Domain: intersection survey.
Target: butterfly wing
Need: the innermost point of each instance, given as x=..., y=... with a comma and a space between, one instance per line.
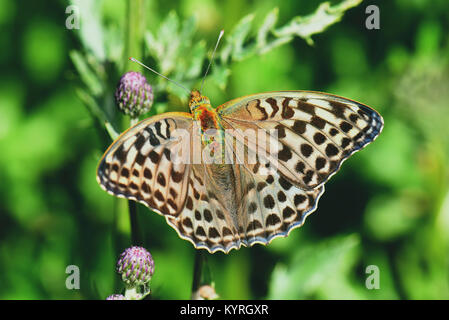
x=279, y=187
x=262, y=208
x=272, y=206
x=315, y=131
x=234, y=205
x=141, y=166
x=208, y=220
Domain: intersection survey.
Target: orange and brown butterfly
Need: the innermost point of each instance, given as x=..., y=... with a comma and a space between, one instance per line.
x=222, y=206
x=247, y=172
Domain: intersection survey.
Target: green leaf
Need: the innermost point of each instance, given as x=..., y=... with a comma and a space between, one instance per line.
x=317, y=22
x=88, y=76
x=220, y=75
x=178, y=56
x=234, y=45
x=187, y=31
x=190, y=56
x=90, y=103
x=154, y=48
x=311, y=266
x=390, y=216
x=111, y=130
x=164, y=46
x=267, y=26
x=91, y=31
x=114, y=45
x=198, y=53
x=275, y=43
x=174, y=53
x=169, y=40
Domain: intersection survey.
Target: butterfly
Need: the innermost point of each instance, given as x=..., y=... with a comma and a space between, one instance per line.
x=264, y=184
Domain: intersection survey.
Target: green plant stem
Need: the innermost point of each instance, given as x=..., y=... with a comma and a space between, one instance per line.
x=135, y=30
x=134, y=40
x=201, y=273
x=135, y=234
x=132, y=205
x=115, y=235
x=197, y=272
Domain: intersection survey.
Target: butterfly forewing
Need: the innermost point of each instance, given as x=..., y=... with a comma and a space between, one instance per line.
x=316, y=132
x=140, y=165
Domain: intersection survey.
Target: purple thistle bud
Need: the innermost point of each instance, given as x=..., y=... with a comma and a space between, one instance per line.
x=116, y=297
x=136, y=265
x=134, y=96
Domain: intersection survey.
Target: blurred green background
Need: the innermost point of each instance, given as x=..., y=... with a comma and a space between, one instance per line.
x=388, y=206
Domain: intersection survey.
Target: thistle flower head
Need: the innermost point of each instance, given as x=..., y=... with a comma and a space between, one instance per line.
x=134, y=96
x=116, y=297
x=136, y=266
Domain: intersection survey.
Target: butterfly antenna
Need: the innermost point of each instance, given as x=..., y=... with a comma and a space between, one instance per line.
x=212, y=59
x=173, y=81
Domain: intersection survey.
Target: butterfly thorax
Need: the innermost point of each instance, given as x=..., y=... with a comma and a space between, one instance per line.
x=202, y=111
x=209, y=123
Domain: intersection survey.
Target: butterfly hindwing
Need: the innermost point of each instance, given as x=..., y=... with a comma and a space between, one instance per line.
x=207, y=220
x=270, y=205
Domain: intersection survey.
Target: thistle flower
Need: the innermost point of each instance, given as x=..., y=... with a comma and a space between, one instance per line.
x=136, y=266
x=134, y=96
x=116, y=297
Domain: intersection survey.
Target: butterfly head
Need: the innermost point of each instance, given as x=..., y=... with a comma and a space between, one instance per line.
x=197, y=100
